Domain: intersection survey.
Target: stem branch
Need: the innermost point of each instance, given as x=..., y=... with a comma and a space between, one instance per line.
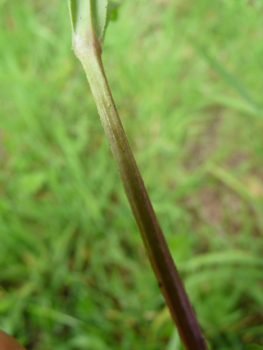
x=168, y=278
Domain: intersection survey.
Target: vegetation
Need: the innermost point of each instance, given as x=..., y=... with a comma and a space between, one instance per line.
x=186, y=81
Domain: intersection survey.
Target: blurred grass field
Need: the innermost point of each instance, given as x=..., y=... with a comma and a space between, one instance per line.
x=187, y=80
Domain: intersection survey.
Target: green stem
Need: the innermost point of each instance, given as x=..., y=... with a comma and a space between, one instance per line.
x=169, y=281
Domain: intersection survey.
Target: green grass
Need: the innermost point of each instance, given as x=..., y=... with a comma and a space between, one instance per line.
x=187, y=82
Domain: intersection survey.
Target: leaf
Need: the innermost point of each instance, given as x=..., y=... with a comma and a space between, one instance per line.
x=29, y=184
x=89, y=18
x=112, y=13
x=88, y=341
x=99, y=17
x=220, y=258
x=228, y=77
x=174, y=342
x=80, y=16
x=254, y=347
x=237, y=104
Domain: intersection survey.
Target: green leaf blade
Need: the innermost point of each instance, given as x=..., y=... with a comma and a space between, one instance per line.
x=254, y=347
x=80, y=16
x=89, y=19
x=99, y=10
x=112, y=13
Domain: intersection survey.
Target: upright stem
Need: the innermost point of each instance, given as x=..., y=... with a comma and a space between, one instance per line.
x=169, y=281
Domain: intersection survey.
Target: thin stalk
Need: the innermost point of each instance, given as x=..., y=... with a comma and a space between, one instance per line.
x=169, y=281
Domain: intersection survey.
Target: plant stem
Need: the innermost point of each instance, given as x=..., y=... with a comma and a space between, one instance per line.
x=169, y=281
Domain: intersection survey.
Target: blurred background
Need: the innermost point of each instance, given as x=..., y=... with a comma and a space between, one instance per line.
x=187, y=80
